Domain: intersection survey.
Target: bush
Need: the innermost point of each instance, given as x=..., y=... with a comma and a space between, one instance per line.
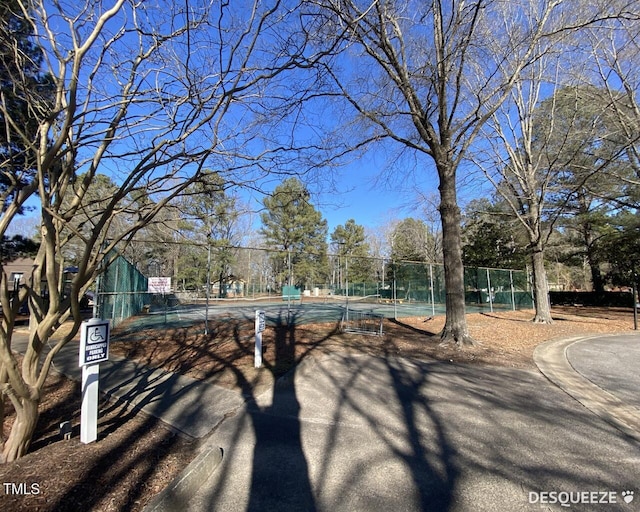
x=606, y=299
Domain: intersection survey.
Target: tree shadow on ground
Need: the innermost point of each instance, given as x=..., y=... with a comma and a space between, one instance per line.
x=279, y=471
x=288, y=473
x=516, y=320
x=436, y=436
x=422, y=332
x=407, y=450
x=280, y=477
x=112, y=473
x=228, y=349
x=433, y=428
x=112, y=476
x=468, y=438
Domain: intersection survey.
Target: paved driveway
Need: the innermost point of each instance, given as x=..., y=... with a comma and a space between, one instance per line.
x=611, y=362
x=357, y=433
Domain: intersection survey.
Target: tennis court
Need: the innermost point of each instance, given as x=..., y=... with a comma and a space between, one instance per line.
x=285, y=312
x=395, y=289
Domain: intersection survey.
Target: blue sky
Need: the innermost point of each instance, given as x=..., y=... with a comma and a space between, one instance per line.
x=364, y=203
x=372, y=193
x=373, y=204
x=361, y=191
x=372, y=190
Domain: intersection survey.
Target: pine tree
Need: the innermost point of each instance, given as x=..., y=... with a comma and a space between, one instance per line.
x=293, y=226
x=350, y=242
x=25, y=98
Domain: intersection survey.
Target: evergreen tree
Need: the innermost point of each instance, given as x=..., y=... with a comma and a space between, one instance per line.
x=216, y=215
x=25, y=98
x=620, y=247
x=490, y=238
x=587, y=155
x=293, y=226
x=16, y=247
x=349, y=241
x=409, y=240
x=409, y=243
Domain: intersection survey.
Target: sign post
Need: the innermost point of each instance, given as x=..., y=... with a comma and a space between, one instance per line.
x=260, y=325
x=160, y=285
x=94, y=349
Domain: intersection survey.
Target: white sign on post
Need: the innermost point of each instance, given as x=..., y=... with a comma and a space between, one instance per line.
x=94, y=348
x=94, y=342
x=260, y=325
x=159, y=285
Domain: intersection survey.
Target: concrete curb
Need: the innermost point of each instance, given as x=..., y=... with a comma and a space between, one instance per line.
x=551, y=359
x=173, y=497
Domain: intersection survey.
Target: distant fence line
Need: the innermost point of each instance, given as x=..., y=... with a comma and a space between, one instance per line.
x=246, y=273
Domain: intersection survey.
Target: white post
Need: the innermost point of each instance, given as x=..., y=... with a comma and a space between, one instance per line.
x=89, y=409
x=94, y=348
x=259, y=327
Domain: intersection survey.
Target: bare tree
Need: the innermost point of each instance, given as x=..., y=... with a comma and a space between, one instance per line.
x=428, y=75
x=378, y=239
x=517, y=161
x=429, y=214
x=146, y=93
x=557, y=134
x=611, y=64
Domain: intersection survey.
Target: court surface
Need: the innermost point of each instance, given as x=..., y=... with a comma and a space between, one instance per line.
x=282, y=312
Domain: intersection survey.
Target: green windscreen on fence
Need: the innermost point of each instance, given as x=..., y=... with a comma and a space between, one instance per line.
x=423, y=283
x=381, y=286
x=122, y=291
x=290, y=293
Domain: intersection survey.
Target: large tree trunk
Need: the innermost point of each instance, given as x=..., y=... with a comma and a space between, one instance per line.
x=596, y=276
x=541, y=288
x=455, y=329
x=22, y=430
x=593, y=261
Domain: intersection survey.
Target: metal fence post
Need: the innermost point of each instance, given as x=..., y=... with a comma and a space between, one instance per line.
x=395, y=295
x=489, y=291
x=634, y=291
x=207, y=288
x=433, y=303
x=97, y=300
x=346, y=281
x=115, y=298
x=513, y=294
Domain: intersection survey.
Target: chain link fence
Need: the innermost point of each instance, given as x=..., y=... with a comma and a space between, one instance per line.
x=423, y=283
x=239, y=274
x=121, y=291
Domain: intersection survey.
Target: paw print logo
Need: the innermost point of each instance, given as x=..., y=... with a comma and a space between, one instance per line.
x=627, y=496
